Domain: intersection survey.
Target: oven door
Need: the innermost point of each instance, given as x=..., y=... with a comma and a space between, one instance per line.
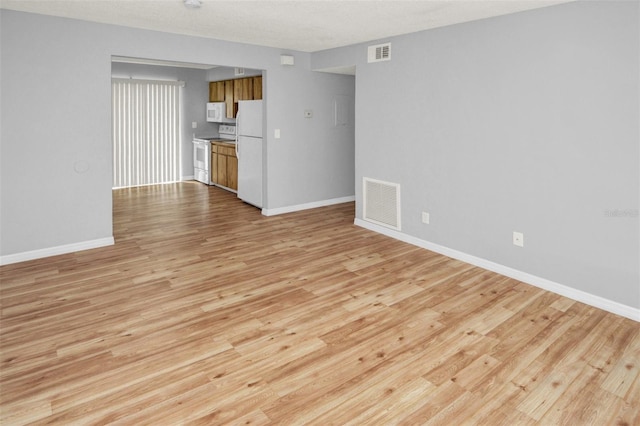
x=201, y=159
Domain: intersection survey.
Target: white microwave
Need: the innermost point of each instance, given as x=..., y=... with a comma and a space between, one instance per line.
x=217, y=113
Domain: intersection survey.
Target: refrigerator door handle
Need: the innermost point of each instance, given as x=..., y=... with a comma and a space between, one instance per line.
x=237, y=139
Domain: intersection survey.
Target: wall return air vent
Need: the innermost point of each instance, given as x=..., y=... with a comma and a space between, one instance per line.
x=381, y=203
x=379, y=52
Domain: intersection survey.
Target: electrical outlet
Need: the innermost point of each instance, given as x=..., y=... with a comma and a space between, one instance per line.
x=194, y=124
x=518, y=239
x=425, y=217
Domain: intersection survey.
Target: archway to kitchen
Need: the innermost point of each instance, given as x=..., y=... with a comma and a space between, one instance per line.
x=315, y=157
x=139, y=157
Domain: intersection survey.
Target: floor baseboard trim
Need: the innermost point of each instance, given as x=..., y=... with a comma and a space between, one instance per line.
x=54, y=251
x=313, y=205
x=543, y=283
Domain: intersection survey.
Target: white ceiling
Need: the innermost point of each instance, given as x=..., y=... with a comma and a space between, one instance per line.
x=304, y=25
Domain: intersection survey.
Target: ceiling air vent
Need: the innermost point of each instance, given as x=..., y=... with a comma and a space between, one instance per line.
x=381, y=202
x=379, y=52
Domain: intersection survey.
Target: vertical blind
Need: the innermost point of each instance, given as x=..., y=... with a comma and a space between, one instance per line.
x=146, y=132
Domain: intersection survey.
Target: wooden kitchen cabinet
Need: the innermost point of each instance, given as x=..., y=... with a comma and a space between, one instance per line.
x=232, y=171
x=243, y=89
x=222, y=170
x=232, y=91
x=216, y=91
x=232, y=107
x=214, y=163
x=257, y=87
x=224, y=165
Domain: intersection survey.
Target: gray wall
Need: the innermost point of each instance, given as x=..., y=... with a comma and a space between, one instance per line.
x=329, y=160
x=527, y=122
x=195, y=95
x=228, y=73
x=56, y=113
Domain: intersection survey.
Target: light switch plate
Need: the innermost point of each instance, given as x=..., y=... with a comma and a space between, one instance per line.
x=276, y=133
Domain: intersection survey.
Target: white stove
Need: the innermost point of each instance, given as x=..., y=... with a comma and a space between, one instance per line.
x=202, y=152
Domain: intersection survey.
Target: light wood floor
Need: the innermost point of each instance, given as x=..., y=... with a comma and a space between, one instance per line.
x=205, y=312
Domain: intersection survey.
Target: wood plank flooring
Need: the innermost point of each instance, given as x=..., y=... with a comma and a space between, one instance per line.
x=205, y=312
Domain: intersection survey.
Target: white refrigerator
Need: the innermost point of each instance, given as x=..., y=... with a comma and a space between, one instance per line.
x=249, y=151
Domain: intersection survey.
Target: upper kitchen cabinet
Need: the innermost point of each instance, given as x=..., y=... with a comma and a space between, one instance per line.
x=243, y=89
x=257, y=87
x=232, y=91
x=216, y=91
x=232, y=107
x=247, y=89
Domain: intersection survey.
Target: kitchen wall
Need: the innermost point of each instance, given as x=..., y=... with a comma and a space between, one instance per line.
x=527, y=122
x=228, y=73
x=55, y=151
x=195, y=94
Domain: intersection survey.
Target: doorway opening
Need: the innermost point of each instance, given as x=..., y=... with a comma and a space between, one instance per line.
x=158, y=109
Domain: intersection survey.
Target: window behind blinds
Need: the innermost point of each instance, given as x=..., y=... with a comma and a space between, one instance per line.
x=146, y=132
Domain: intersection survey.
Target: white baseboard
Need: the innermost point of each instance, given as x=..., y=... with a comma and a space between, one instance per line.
x=186, y=178
x=53, y=251
x=563, y=290
x=313, y=205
